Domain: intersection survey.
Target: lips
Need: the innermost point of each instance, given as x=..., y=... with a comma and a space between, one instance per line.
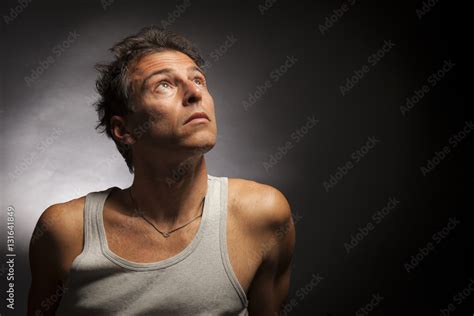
x=197, y=115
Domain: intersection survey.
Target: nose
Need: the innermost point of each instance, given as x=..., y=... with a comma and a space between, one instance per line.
x=192, y=94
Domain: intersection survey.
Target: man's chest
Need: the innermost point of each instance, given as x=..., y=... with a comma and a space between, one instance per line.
x=134, y=241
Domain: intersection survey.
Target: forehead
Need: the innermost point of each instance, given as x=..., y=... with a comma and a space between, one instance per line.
x=161, y=60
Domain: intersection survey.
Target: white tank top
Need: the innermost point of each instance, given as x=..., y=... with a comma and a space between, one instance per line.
x=199, y=280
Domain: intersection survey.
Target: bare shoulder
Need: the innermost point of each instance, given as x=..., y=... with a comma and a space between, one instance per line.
x=59, y=233
x=59, y=219
x=55, y=241
x=260, y=205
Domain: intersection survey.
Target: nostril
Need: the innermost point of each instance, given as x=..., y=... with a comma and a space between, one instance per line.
x=193, y=99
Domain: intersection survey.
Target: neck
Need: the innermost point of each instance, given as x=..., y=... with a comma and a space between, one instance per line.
x=170, y=193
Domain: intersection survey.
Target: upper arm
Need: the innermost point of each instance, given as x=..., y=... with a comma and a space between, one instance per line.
x=269, y=289
x=45, y=252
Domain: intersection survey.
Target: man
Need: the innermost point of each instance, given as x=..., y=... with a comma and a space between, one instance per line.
x=178, y=241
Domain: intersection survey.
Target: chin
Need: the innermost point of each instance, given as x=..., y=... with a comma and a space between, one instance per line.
x=204, y=147
x=199, y=143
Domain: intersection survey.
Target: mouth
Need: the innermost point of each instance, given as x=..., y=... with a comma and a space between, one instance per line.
x=198, y=117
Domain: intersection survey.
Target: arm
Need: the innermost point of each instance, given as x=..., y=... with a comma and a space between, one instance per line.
x=268, y=292
x=45, y=264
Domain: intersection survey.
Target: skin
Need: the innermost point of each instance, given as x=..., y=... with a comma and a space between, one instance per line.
x=259, y=215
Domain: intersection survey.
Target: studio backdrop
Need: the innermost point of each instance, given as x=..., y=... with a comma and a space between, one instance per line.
x=350, y=108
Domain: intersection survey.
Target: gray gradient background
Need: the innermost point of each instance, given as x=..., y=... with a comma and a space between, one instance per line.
x=80, y=160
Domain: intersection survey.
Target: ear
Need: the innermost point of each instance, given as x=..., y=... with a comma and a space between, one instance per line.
x=120, y=131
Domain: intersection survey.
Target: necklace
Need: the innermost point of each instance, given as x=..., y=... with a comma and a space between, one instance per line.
x=165, y=234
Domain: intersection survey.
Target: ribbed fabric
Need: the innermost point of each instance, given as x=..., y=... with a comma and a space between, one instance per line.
x=199, y=280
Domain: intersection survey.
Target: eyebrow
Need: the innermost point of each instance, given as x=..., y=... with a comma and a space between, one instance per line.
x=167, y=71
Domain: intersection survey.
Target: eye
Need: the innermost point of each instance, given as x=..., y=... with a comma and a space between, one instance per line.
x=164, y=84
x=199, y=81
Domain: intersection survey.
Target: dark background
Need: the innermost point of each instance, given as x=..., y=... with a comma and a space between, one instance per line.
x=80, y=160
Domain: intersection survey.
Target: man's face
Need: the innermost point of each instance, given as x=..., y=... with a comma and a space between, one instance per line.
x=168, y=88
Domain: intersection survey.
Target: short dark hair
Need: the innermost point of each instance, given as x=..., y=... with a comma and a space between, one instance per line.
x=113, y=83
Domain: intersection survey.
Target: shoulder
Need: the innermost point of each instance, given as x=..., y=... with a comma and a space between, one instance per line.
x=59, y=218
x=58, y=233
x=263, y=208
x=51, y=247
x=264, y=213
x=260, y=202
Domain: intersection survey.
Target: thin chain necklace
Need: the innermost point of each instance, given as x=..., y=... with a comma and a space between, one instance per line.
x=165, y=234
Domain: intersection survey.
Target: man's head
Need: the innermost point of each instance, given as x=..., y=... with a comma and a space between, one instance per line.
x=147, y=94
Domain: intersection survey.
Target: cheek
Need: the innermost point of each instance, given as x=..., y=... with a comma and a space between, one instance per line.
x=155, y=116
x=153, y=111
x=149, y=122
x=210, y=103
x=160, y=123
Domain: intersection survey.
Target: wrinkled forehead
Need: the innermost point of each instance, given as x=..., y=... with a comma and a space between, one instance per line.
x=168, y=59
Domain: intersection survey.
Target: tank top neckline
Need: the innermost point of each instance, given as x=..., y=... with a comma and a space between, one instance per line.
x=142, y=266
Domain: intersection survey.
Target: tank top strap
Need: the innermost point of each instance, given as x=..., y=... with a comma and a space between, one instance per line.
x=223, y=215
x=214, y=245
x=94, y=203
x=217, y=205
x=212, y=201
